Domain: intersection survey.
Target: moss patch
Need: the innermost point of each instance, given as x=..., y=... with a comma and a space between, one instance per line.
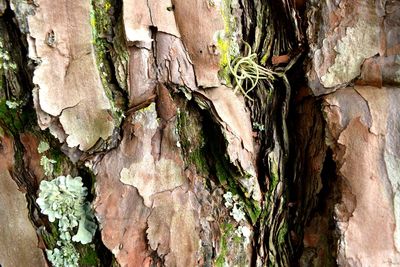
x=231, y=249
x=102, y=23
x=227, y=42
x=225, y=172
x=192, y=141
x=50, y=237
x=88, y=256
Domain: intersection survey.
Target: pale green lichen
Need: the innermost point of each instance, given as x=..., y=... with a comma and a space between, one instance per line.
x=63, y=201
x=233, y=202
x=245, y=232
x=13, y=104
x=48, y=165
x=63, y=256
x=237, y=212
x=259, y=127
x=43, y=146
x=229, y=200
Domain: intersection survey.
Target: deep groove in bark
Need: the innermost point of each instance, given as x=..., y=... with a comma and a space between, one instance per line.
x=21, y=90
x=270, y=107
x=321, y=221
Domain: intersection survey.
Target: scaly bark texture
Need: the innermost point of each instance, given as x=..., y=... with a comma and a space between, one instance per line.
x=354, y=49
x=141, y=99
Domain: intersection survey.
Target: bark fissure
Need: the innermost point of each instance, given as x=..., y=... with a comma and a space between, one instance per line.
x=270, y=108
x=139, y=99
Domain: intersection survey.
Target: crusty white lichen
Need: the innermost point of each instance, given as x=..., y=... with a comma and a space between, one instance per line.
x=233, y=203
x=361, y=42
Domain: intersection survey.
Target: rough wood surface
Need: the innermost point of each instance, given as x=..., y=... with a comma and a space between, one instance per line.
x=19, y=242
x=138, y=99
x=70, y=89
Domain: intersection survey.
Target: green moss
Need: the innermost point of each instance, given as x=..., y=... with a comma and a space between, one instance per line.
x=50, y=237
x=101, y=20
x=282, y=234
x=198, y=159
x=223, y=175
x=88, y=256
x=15, y=119
x=253, y=209
x=232, y=251
x=226, y=41
x=226, y=234
x=192, y=141
x=60, y=159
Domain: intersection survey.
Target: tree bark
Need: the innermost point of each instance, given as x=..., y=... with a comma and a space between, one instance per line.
x=208, y=133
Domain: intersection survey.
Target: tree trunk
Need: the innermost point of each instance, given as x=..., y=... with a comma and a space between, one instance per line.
x=207, y=133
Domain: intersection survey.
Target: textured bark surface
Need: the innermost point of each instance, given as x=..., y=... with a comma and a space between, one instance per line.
x=366, y=153
x=61, y=40
x=353, y=51
x=14, y=218
x=139, y=99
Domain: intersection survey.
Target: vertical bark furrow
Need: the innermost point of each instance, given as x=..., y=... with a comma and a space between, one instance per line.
x=274, y=35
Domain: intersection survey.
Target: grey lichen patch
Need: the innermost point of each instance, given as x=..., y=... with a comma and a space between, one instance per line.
x=360, y=43
x=172, y=228
x=22, y=10
x=85, y=126
x=147, y=173
x=151, y=177
x=68, y=82
x=393, y=170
